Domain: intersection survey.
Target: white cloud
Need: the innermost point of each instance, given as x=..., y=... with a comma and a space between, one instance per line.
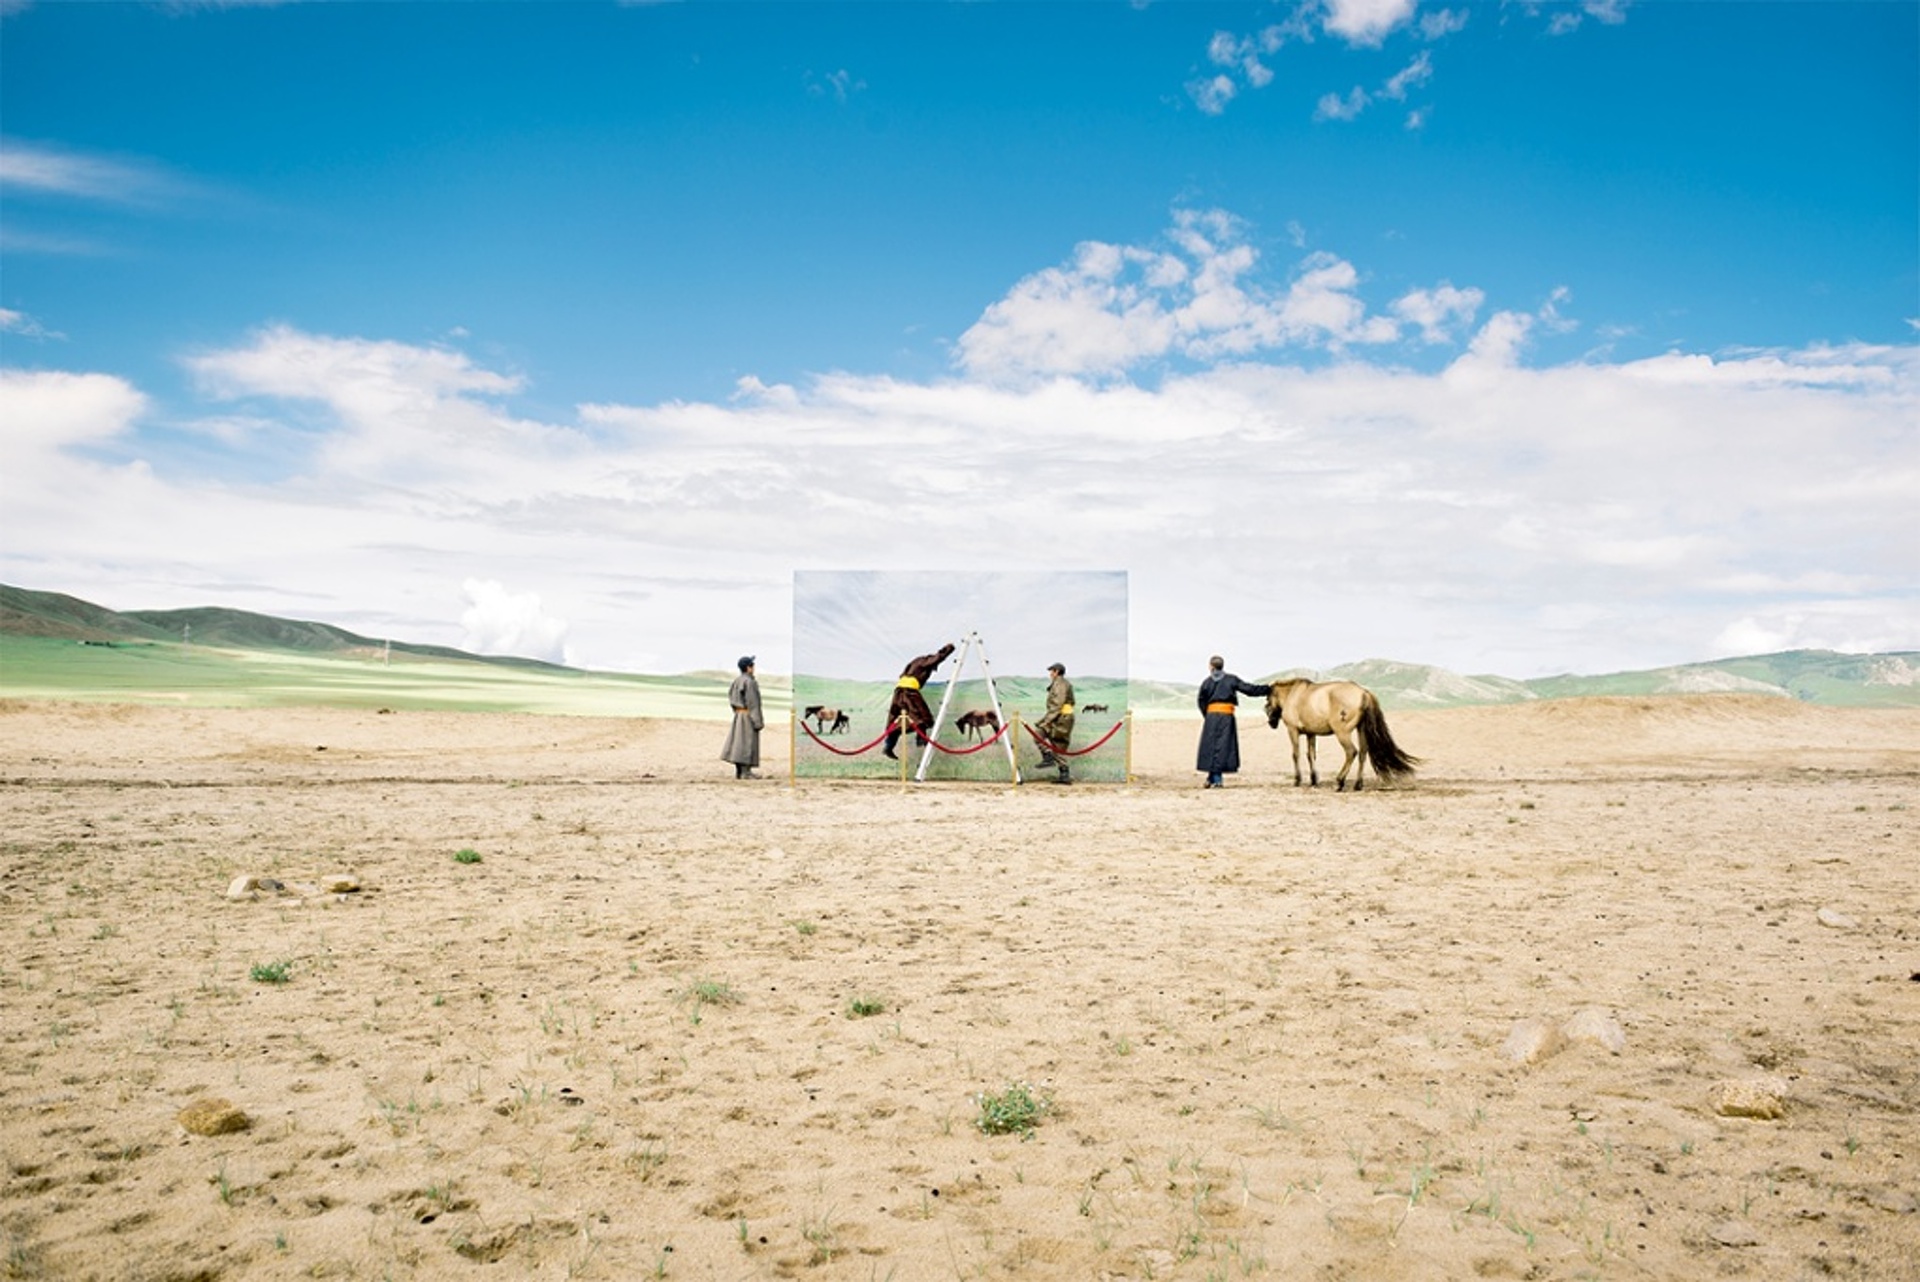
x=1492, y=517
x=14, y=322
x=1417, y=72
x=1437, y=311
x=1366, y=22
x=1437, y=24
x=838, y=85
x=1333, y=107
x=1115, y=307
x=1212, y=93
x=48, y=410
x=42, y=169
x=501, y=622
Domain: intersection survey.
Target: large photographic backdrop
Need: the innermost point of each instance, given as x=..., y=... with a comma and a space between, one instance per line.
x=854, y=631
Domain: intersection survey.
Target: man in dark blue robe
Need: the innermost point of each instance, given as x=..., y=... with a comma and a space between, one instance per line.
x=1219, y=700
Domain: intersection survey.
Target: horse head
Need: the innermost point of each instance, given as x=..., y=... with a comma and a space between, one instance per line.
x=1277, y=701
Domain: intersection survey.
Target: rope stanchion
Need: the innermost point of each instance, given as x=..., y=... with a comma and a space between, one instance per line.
x=1047, y=744
x=844, y=752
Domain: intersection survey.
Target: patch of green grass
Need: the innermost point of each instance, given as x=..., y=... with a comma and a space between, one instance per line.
x=863, y=1007
x=466, y=855
x=275, y=972
x=702, y=993
x=1016, y=1110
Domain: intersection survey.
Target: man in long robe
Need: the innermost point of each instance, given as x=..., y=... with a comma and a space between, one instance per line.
x=1057, y=723
x=743, y=736
x=907, y=697
x=1219, y=704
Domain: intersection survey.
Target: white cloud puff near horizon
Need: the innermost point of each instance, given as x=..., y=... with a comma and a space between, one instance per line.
x=1250, y=445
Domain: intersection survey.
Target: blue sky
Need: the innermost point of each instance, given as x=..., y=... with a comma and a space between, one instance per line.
x=1514, y=338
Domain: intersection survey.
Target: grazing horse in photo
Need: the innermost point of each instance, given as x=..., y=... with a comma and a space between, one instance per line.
x=1351, y=714
x=826, y=720
x=1092, y=708
x=978, y=723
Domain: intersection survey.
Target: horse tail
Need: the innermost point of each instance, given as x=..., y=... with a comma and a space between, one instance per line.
x=1389, y=758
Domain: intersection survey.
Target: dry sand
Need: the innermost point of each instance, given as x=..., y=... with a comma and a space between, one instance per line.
x=1283, y=1032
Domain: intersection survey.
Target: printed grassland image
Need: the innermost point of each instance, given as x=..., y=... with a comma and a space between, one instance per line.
x=856, y=631
x=1613, y=988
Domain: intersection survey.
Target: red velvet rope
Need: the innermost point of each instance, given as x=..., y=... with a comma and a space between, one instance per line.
x=964, y=752
x=1046, y=745
x=844, y=752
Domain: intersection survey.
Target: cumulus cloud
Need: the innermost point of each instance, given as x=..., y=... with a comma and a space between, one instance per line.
x=47, y=410
x=1200, y=296
x=1492, y=516
x=1366, y=22
x=1438, y=312
x=1243, y=60
x=497, y=621
x=1333, y=106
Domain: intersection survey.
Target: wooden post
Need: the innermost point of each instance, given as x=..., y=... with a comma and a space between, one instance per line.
x=1129, y=745
x=1013, y=739
x=906, y=731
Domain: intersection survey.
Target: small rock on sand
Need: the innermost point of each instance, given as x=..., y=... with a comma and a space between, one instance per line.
x=213, y=1117
x=1532, y=1040
x=1734, y=1233
x=339, y=885
x=1597, y=1026
x=1835, y=919
x=1761, y=1097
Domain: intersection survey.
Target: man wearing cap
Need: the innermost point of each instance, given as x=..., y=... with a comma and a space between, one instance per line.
x=907, y=698
x=1220, y=733
x=1057, y=724
x=743, y=737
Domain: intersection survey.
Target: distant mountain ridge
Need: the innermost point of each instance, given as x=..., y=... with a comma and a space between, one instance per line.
x=25, y=612
x=1812, y=676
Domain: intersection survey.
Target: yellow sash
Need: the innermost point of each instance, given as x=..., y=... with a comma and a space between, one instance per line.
x=1066, y=709
x=908, y=683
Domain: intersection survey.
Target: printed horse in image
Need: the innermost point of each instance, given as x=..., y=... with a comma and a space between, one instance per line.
x=1351, y=714
x=826, y=720
x=978, y=723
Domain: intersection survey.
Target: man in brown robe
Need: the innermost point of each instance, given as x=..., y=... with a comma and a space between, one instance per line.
x=908, y=699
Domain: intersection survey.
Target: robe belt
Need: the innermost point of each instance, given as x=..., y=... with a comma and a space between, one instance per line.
x=907, y=683
x=1227, y=708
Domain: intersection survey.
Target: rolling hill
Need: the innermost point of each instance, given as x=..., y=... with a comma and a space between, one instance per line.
x=1813, y=676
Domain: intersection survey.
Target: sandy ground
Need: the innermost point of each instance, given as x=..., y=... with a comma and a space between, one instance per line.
x=670, y=1025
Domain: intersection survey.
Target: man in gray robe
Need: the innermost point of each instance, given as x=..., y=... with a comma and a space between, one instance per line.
x=743, y=736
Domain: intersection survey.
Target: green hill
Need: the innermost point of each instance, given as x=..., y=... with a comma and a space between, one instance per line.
x=237, y=656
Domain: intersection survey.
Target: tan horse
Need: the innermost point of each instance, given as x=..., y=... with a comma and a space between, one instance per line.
x=1347, y=711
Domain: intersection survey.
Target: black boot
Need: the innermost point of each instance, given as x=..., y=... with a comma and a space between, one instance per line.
x=1064, y=776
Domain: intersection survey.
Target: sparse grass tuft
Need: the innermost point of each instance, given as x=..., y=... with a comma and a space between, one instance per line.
x=276, y=972
x=863, y=1007
x=1015, y=1110
x=466, y=855
x=702, y=993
